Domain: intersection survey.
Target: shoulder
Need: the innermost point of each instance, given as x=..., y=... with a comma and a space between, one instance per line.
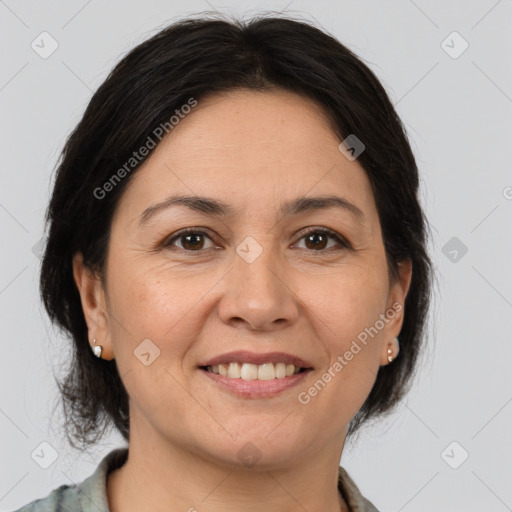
x=355, y=500
x=65, y=497
x=90, y=495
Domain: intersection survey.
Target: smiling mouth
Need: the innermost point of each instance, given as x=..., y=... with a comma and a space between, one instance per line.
x=249, y=371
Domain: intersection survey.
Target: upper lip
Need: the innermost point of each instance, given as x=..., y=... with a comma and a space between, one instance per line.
x=242, y=356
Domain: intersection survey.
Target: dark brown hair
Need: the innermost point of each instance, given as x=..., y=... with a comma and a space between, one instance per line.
x=193, y=58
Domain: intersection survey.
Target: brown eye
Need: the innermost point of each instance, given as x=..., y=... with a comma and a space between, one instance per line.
x=317, y=240
x=191, y=240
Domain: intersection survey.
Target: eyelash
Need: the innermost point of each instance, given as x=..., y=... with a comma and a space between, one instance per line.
x=343, y=244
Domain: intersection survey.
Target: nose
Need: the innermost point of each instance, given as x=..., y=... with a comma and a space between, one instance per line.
x=258, y=294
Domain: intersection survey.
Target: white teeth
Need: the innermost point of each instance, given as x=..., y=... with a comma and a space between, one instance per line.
x=266, y=371
x=234, y=370
x=281, y=370
x=248, y=371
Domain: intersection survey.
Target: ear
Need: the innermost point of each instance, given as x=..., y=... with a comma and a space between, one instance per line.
x=396, y=304
x=92, y=296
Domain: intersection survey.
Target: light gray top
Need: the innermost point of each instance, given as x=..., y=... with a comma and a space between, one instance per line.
x=91, y=494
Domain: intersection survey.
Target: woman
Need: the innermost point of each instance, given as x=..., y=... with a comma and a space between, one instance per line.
x=237, y=250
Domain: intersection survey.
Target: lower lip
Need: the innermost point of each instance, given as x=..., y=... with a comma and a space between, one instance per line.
x=257, y=388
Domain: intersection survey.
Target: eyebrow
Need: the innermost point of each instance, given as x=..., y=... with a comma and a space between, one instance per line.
x=216, y=208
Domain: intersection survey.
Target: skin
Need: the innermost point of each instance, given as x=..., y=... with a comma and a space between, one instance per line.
x=253, y=151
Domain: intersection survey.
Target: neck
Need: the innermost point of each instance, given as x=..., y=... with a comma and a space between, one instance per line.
x=160, y=476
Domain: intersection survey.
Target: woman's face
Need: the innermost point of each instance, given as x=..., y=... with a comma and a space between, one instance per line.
x=248, y=278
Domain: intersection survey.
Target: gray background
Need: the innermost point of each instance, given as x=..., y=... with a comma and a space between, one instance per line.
x=457, y=113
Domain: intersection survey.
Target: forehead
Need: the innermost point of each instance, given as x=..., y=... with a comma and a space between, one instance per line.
x=250, y=148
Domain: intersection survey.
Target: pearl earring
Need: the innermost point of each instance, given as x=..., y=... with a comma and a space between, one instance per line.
x=97, y=349
x=390, y=350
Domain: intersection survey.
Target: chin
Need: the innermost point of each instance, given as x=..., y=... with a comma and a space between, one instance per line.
x=261, y=449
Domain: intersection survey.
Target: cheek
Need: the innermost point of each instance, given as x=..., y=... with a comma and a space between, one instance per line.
x=147, y=304
x=342, y=318
x=349, y=300
x=149, y=298
x=346, y=310
x=364, y=298
x=158, y=303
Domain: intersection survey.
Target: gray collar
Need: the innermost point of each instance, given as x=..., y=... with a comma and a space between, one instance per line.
x=93, y=490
